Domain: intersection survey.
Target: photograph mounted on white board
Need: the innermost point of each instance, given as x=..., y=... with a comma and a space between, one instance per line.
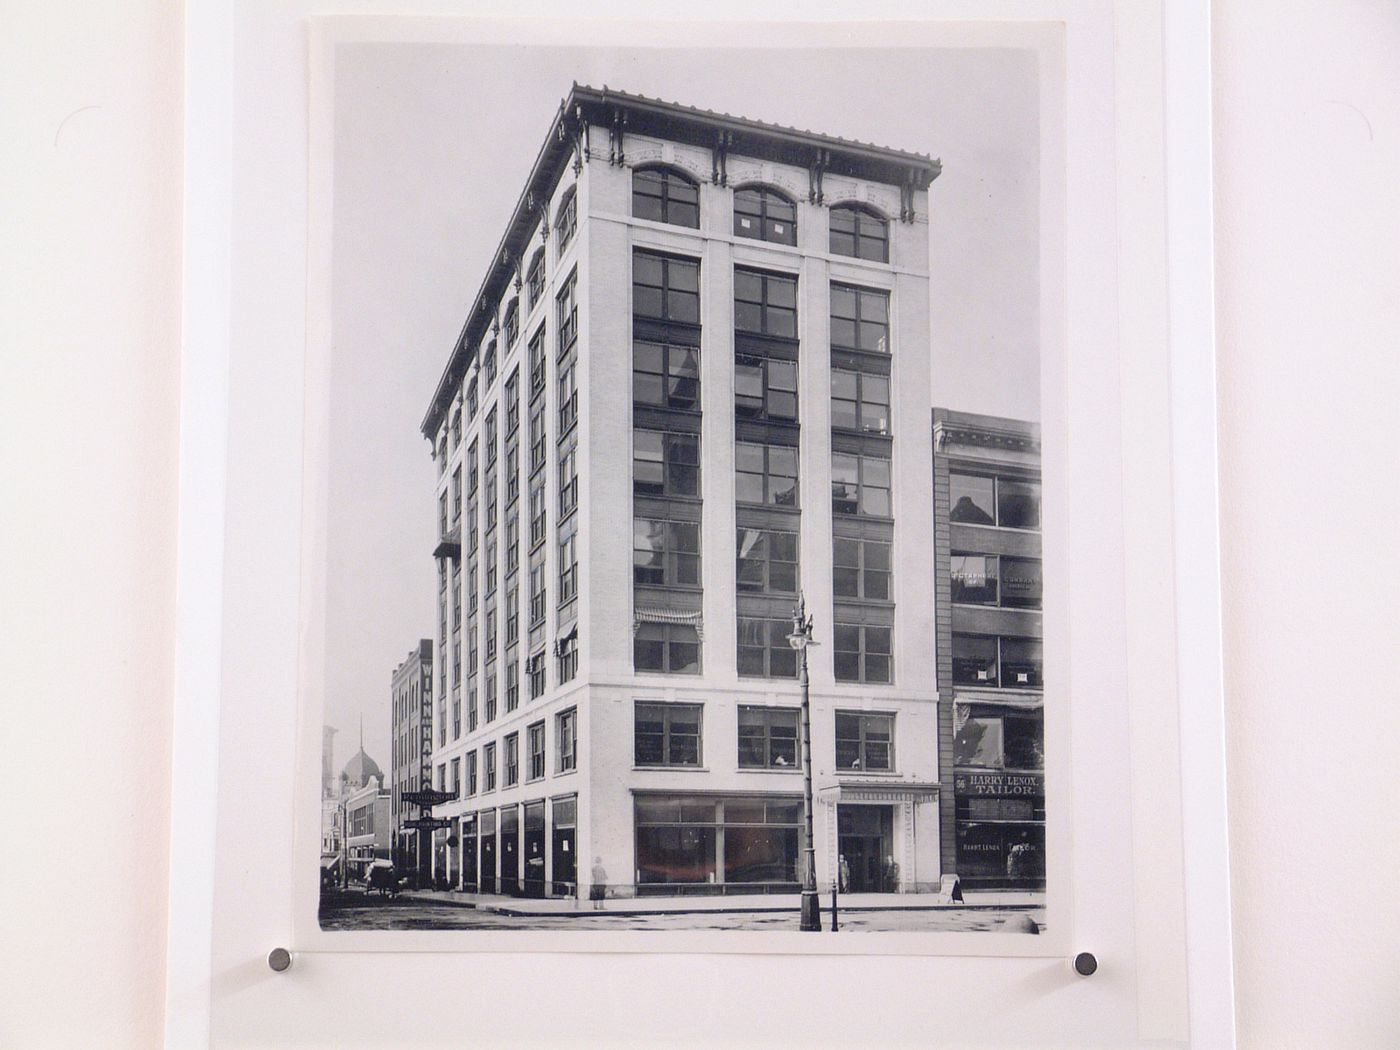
x=683, y=534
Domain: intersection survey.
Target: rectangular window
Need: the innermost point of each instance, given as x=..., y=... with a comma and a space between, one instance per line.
x=566, y=740
x=491, y=443
x=472, y=711
x=665, y=464
x=861, y=653
x=568, y=391
x=1011, y=503
x=539, y=437
x=667, y=734
x=765, y=388
x=764, y=651
x=997, y=663
x=537, y=361
x=491, y=635
x=488, y=762
x=767, y=561
x=665, y=553
x=512, y=616
x=1012, y=741
x=568, y=480
x=666, y=648
x=860, y=485
x=568, y=568
x=665, y=375
x=537, y=512
x=472, y=783
x=512, y=760
x=860, y=401
x=986, y=579
x=568, y=657
x=665, y=288
x=456, y=495
x=765, y=474
x=455, y=780
x=768, y=738
x=538, y=604
x=861, y=569
x=512, y=686
x=471, y=400
x=491, y=504
x=512, y=401
x=860, y=319
x=490, y=699
x=535, y=737
x=765, y=303
x=473, y=477
x=512, y=544
x=566, y=312
x=864, y=741
x=535, y=667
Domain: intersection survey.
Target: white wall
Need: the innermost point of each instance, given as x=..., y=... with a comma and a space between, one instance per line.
x=89, y=327
x=1309, y=282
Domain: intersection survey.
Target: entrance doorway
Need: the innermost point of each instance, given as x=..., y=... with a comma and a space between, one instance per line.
x=865, y=840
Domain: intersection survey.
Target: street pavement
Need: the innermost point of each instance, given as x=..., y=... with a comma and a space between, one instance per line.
x=355, y=911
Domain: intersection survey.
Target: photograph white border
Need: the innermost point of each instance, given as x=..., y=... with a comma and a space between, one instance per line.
x=1182, y=319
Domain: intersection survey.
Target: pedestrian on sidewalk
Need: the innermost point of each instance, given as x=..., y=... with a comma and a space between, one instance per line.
x=599, y=889
x=843, y=874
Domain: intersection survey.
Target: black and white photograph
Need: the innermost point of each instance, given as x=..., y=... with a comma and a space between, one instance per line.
x=682, y=544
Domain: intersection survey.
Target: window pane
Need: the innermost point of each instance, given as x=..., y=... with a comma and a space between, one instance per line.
x=974, y=660
x=974, y=579
x=972, y=499
x=1021, y=583
x=1018, y=504
x=1021, y=663
x=978, y=743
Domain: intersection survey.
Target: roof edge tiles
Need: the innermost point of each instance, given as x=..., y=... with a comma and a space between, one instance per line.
x=641, y=115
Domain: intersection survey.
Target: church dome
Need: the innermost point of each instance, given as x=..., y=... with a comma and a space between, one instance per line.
x=359, y=770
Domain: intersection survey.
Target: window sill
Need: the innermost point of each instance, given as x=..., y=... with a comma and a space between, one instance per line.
x=670, y=769
x=781, y=770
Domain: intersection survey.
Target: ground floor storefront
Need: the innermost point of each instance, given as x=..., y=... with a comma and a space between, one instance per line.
x=1000, y=829
x=870, y=838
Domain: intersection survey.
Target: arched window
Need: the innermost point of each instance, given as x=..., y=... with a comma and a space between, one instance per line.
x=511, y=328
x=665, y=195
x=859, y=232
x=566, y=218
x=535, y=280
x=765, y=215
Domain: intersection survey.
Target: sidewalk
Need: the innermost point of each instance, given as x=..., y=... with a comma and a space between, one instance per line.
x=518, y=906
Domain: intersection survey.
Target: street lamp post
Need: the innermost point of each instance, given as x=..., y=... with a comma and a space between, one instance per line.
x=800, y=639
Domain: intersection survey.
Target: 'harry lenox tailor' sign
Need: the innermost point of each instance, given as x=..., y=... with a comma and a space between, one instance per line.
x=1000, y=785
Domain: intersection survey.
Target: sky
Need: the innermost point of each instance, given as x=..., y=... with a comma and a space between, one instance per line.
x=433, y=143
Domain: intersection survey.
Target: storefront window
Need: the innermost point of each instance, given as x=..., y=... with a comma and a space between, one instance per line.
x=564, y=848
x=710, y=845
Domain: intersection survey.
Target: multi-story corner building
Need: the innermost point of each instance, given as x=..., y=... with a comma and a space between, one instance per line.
x=694, y=384
x=988, y=580
x=411, y=746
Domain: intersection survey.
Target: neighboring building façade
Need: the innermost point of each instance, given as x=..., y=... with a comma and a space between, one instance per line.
x=694, y=383
x=987, y=482
x=411, y=748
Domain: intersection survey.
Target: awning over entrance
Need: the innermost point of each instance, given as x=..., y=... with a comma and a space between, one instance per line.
x=877, y=791
x=330, y=863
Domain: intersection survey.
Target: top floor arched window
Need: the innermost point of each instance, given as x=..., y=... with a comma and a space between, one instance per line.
x=765, y=215
x=860, y=232
x=535, y=279
x=665, y=195
x=566, y=218
x=510, y=328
